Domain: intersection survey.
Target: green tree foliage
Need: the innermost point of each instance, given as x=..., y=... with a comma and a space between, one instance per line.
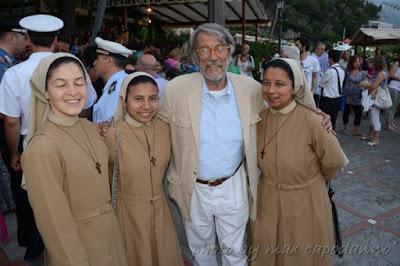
x=326, y=19
x=257, y=50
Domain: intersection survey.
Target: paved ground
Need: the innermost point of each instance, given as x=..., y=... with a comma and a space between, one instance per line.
x=368, y=200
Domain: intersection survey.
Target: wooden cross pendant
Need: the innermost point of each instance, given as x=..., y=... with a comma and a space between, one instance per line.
x=98, y=167
x=262, y=154
x=153, y=161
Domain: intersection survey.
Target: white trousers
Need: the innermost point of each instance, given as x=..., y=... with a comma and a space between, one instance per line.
x=373, y=116
x=220, y=214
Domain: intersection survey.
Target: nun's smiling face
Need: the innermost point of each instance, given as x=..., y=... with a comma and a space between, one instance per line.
x=66, y=90
x=142, y=102
x=277, y=88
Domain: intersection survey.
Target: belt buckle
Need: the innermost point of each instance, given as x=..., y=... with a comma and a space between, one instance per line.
x=211, y=181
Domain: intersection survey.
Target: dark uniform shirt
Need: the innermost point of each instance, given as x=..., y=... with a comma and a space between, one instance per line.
x=6, y=61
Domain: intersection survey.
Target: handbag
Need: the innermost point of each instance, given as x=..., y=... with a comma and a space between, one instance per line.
x=383, y=100
x=366, y=100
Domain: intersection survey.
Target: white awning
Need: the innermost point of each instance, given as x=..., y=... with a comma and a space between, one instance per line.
x=372, y=36
x=190, y=12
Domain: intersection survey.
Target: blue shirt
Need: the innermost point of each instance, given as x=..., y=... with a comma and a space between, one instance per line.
x=9, y=61
x=323, y=61
x=104, y=109
x=221, y=138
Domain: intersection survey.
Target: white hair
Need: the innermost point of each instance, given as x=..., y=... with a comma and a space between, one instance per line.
x=219, y=31
x=291, y=52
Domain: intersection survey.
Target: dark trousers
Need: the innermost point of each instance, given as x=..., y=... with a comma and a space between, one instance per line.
x=357, y=110
x=330, y=106
x=316, y=99
x=27, y=233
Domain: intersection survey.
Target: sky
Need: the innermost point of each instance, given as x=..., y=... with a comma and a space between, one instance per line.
x=389, y=14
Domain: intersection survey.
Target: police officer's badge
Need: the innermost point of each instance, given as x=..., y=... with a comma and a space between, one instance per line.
x=112, y=87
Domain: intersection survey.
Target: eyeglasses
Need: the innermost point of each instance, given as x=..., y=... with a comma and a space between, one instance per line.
x=22, y=35
x=219, y=50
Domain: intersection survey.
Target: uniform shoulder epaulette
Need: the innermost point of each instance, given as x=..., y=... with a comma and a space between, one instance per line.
x=112, y=87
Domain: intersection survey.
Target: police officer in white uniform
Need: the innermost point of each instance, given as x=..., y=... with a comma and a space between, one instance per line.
x=15, y=92
x=110, y=62
x=12, y=42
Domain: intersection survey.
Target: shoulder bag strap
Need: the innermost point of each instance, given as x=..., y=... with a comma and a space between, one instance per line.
x=116, y=171
x=338, y=237
x=386, y=74
x=338, y=80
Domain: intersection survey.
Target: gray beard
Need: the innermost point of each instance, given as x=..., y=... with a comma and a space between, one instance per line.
x=215, y=80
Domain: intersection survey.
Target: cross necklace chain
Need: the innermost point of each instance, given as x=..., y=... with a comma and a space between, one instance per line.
x=89, y=151
x=273, y=135
x=150, y=152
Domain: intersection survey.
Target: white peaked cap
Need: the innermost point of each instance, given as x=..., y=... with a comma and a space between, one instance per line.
x=41, y=23
x=108, y=47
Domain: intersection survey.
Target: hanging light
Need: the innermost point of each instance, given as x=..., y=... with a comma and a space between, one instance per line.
x=279, y=6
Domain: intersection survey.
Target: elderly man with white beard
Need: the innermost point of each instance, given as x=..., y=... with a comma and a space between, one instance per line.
x=213, y=173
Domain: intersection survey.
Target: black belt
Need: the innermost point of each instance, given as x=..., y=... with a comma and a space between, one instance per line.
x=219, y=181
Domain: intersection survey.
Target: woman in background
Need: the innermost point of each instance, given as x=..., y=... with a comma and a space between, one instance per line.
x=380, y=79
x=352, y=90
x=394, y=88
x=6, y=200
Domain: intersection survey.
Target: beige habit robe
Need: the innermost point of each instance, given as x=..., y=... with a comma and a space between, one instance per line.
x=294, y=218
x=69, y=197
x=142, y=208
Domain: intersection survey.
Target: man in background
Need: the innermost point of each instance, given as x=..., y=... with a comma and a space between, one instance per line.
x=309, y=64
x=110, y=64
x=13, y=40
x=331, y=87
x=148, y=63
x=322, y=56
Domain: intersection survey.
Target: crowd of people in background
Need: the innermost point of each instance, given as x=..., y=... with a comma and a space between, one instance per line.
x=337, y=80
x=332, y=81
x=173, y=61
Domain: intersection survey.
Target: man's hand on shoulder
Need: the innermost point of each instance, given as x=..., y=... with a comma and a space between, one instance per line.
x=102, y=128
x=326, y=121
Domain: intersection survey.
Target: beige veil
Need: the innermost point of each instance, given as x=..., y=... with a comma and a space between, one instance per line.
x=40, y=107
x=120, y=112
x=302, y=94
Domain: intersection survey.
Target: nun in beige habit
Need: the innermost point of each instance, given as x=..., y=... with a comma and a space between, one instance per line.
x=140, y=144
x=66, y=170
x=297, y=157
